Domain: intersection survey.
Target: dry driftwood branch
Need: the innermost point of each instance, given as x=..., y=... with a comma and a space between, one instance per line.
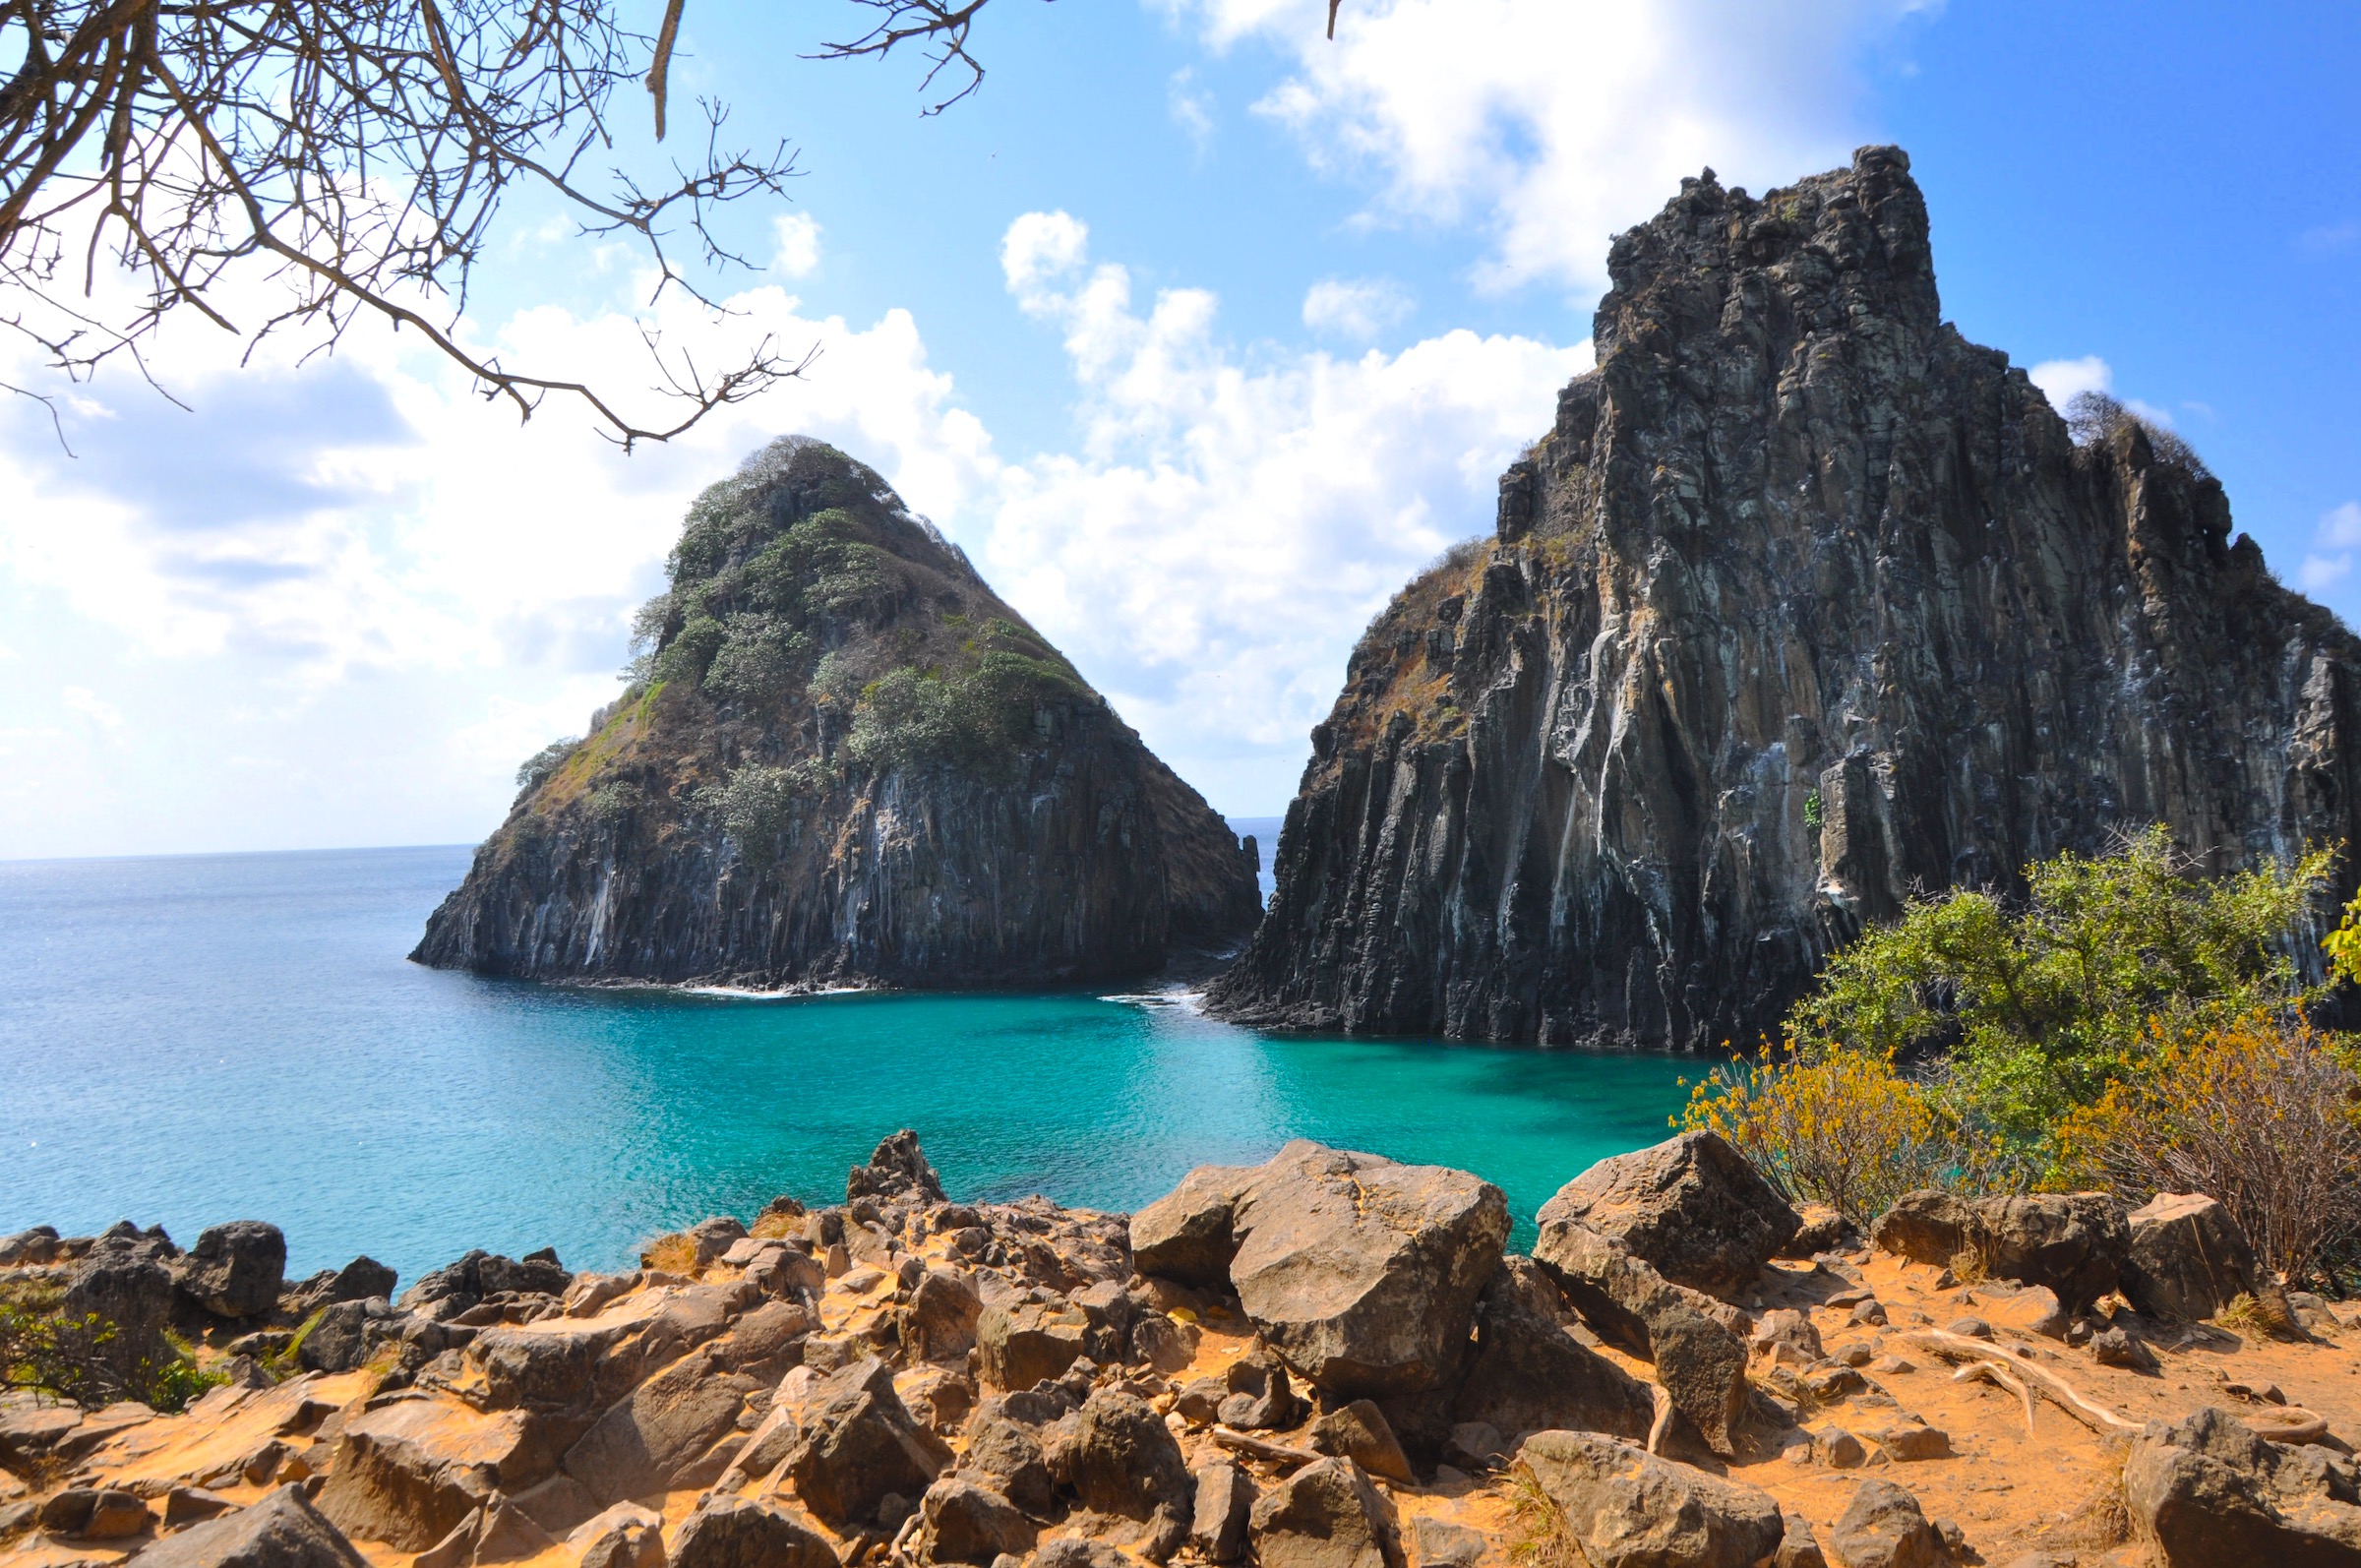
x=1993, y=1373
x=1663, y=1420
x=1959, y=1347
x=1256, y=1448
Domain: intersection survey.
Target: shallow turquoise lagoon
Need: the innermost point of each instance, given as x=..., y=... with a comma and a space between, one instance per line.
x=204, y=1038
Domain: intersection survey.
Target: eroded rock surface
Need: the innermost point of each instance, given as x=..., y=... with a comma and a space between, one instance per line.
x=1803, y=604
x=847, y=761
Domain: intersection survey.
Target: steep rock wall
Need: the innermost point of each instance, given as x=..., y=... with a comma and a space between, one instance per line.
x=844, y=760
x=1795, y=553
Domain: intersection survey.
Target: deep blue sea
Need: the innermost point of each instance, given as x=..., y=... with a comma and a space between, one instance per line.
x=193, y=1039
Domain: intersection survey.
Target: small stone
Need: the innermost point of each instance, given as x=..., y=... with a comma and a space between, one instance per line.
x=2116, y=1346
x=1975, y=1328
x=1870, y=1314
x=1907, y=1443
x=1838, y=1449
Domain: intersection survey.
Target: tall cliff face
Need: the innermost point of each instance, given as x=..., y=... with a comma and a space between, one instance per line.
x=1804, y=604
x=844, y=759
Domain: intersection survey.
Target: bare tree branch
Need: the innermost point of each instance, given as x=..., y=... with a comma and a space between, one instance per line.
x=353, y=152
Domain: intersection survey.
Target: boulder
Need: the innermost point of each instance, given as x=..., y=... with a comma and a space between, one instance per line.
x=1363, y=1274
x=859, y=1445
x=1529, y=1374
x=282, y=1531
x=1186, y=1235
x=127, y=1279
x=1690, y=1207
x=235, y=1270
x=626, y=1536
x=1004, y=1445
x=897, y=1171
x=738, y=1532
x=346, y=1334
x=362, y=1278
x=2207, y=1491
x=2077, y=1244
x=1823, y=1229
x=1700, y=1362
x=411, y=1471
x=1326, y=1515
x=1258, y=1396
x=1075, y=1551
x=1124, y=1461
x=971, y=1523
x=1360, y=1432
x=1029, y=1342
x=940, y=1322
x=2187, y=1257
x=560, y=1363
x=1883, y=1527
x=1798, y=1547
x=458, y=1285
x=35, y=1246
x=1443, y=1545
x=652, y=1440
x=1627, y=1508
x=1224, y=1508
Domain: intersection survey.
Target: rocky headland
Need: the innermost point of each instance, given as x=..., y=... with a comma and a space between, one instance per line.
x=1326, y=1361
x=1803, y=603
x=844, y=760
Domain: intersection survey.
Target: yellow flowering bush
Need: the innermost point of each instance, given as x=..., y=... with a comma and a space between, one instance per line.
x=2260, y=1114
x=1836, y=1124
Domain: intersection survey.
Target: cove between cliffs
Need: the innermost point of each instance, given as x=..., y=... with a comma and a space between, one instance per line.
x=200, y=1036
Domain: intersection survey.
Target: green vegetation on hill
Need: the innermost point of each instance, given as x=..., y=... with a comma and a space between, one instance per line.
x=2130, y=1023
x=821, y=596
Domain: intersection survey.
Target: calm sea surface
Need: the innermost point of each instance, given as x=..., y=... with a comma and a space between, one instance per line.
x=204, y=1038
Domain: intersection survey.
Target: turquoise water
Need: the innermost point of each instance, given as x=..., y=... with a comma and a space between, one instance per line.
x=203, y=1037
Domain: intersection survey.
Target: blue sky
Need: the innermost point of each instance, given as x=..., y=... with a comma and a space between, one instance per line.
x=1199, y=332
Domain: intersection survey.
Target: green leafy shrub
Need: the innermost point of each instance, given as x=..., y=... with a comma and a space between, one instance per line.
x=2044, y=1005
x=533, y=769
x=980, y=719
x=758, y=803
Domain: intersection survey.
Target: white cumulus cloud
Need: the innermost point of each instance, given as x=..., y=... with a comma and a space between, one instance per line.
x=1555, y=123
x=2331, y=559
x=1356, y=307
x=798, y=252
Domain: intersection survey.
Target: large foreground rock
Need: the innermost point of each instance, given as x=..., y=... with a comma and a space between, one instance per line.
x=736, y=1532
x=2075, y=1243
x=858, y=1444
x=235, y=1270
x=1630, y=1509
x=283, y=1531
x=1326, y=1515
x=127, y=1278
x=649, y=1442
x=2206, y=1491
x=411, y=1471
x=1701, y=1364
x=1361, y=1274
x=1690, y=1207
x=1529, y=1375
x=1882, y=1526
x=2187, y=1257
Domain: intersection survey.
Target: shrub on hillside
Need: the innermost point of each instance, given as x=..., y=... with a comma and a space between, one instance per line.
x=2260, y=1114
x=2044, y=1006
x=1840, y=1127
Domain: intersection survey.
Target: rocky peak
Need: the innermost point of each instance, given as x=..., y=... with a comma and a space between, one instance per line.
x=1804, y=604
x=841, y=757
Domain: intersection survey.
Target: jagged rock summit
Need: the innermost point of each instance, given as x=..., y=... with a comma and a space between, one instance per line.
x=1803, y=603
x=844, y=759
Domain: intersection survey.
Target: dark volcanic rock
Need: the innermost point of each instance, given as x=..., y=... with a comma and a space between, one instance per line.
x=2187, y=1257
x=2077, y=1244
x=1803, y=603
x=1691, y=1207
x=2208, y=1491
x=846, y=761
x=1361, y=1274
x=283, y=1531
x=235, y=1270
x=1629, y=1509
